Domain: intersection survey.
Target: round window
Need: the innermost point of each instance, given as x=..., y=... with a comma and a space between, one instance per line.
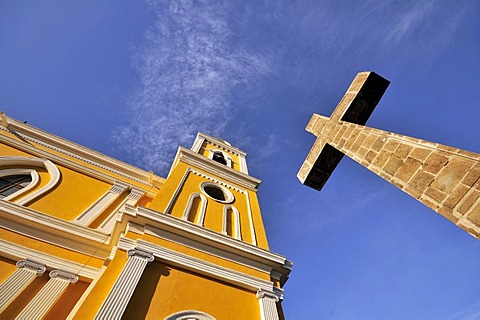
x=217, y=192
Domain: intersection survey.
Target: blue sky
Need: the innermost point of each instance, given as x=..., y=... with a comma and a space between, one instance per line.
x=136, y=79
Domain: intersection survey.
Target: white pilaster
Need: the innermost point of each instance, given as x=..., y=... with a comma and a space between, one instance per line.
x=268, y=306
x=38, y=307
x=92, y=212
x=118, y=298
x=131, y=199
x=14, y=285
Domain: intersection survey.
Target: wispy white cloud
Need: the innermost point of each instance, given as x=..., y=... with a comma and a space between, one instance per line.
x=187, y=67
x=470, y=313
x=203, y=65
x=407, y=20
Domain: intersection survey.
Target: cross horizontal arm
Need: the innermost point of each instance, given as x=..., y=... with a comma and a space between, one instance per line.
x=356, y=107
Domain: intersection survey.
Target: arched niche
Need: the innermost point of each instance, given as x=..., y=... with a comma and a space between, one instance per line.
x=190, y=315
x=27, y=167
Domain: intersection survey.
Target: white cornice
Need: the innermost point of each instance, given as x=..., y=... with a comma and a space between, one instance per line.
x=219, y=143
x=187, y=242
x=69, y=163
x=53, y=230
x=79, y=152
x=215, y=168
x=200, y=266
x=195, y=233
x=14, y=251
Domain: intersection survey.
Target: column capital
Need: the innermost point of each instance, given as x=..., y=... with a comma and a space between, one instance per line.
x=141, y=254
x=118, y=187
x=135, y=194
x=29, y=264
x=263, y=294
x=63, y=275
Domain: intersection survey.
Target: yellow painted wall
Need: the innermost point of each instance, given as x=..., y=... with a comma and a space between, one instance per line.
x=201, y=255
x=67, y=301
x=157, y=179
x=7, y=267
x=75, y=193
x=7, y=151
x=164, y=290
x=214, y=210
x=108, y=211
x=101, y=289
x=258, y=221
x=24, y=298
x=49, y=248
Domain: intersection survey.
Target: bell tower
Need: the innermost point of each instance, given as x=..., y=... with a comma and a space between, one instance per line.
x=209, y=186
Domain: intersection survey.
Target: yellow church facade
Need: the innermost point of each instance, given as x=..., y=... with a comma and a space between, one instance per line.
x=86, y=236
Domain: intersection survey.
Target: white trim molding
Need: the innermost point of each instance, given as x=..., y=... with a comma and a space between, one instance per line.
x=15, y=251
x=132, y=199
x=53, y=230
x=199, y=161
x=210, y=250
x=79, y=152
x=181, y=228
x=102, y=203
x=34, y=177
x=73, y=165
x=200, y=266
x=32, y=162
x=222, y=144
x=199, y=215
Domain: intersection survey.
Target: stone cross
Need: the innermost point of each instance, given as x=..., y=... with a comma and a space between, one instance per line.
x=444, y=178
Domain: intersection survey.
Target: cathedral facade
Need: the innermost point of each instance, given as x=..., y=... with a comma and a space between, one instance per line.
x=86, y=236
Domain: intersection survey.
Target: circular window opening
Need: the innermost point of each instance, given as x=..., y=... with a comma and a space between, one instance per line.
x=217, y=192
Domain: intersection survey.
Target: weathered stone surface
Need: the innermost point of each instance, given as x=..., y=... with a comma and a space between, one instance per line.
x=381, y=159
x=472, y=176
x=456, y=195
x=469, y=200
x=393, y=164
x=444, y=178
x=451, y=174
x=421, y=180
x=435, y=163
x=420, y=154
x=408, y=169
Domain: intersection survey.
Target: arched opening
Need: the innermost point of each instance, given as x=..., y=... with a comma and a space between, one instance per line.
x=217, y=192
x=14, y=183
x=25, y=166
x=231, y=222
x=218, y=157
x=193, y=214
x=195, y=209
